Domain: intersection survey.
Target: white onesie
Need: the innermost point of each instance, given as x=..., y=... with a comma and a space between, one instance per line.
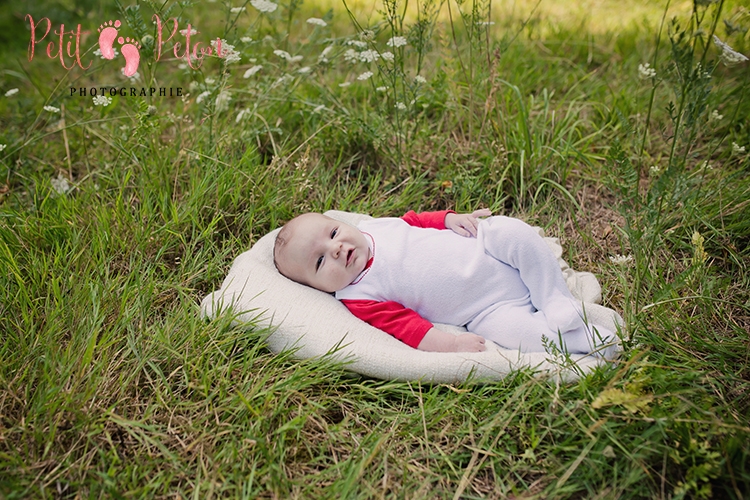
x=504, y=285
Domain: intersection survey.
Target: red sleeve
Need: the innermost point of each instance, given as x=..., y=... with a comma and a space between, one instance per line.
x=391, y=317
x=434, y=220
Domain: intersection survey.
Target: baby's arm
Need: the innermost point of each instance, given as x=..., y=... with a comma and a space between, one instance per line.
x=410, y=328
x=439, y=341
x=463, y=224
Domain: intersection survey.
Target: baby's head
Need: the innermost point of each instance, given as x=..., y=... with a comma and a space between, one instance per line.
x=320, y=252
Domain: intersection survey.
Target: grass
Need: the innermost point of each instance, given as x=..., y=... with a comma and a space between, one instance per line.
x=112, y=386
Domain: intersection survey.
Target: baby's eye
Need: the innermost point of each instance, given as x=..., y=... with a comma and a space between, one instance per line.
x=319, y=262
x=333, y=233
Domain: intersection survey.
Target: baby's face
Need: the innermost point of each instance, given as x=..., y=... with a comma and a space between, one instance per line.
x=323, y=253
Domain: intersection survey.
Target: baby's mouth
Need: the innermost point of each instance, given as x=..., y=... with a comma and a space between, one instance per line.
x=349, y=256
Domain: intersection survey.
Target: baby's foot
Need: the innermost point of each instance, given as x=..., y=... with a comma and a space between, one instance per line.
x=562, y=315
x=107, y=35
x=132, y=55
x=593, y=339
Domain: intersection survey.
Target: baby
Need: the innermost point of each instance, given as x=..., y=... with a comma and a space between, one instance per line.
x=495, y=276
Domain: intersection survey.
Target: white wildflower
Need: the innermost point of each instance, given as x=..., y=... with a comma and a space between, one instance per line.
x=420, y=79
x=180, y=66
x=396, y=41
x=222, y=101
x=369, y=56
x=282, y=80
x=654, y=170
x=282, y=54
x=102, y=100
x=715, y=116
x=193, y=31
x=202, y=96
x=486, y=23
x=620, y=260
x=728, y=54
x=387, y=56
x=364, y=76
x=345, y=84
x=381, y=89
x=320, y=108
x=98, y=52
x=210, y=81
x=236, y=10
x=645, y=71
x=304, y=70
x=295, y=59
x=241, y=115
x=316, y=21
x=737, y=149
x=367, y=35
x=11, y=92
x=60, y=185
x=232, y=57
x=357, y=43
x=250, y=72
x=51, y=109
x=3, y=146
x=263, y=5
x=228, y=52
x=351, y=56
x=246, y=39
x=135, y=76
x=323, y=57
x=706, y=166
x=400, y=106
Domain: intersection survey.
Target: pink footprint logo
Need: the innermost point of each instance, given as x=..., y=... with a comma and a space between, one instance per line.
x=130, y=48
x=131, y=52
x=107, y=35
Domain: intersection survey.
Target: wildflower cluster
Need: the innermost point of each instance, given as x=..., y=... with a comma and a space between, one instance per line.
x=646, y=72
x=228, y=53
x=251, y=71
x=264, y=5
x=728, y=54
x=287, y=56
x=620, y=260
x=60, y=184
x=102, y=100
x=396, y=41
x=317, y=22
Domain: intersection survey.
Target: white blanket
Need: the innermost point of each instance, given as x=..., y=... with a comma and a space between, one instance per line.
x=315, y=324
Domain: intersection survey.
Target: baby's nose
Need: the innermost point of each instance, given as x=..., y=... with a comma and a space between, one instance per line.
x=335, y=248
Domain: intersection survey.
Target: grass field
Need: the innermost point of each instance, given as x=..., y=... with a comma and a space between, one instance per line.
x=117, y=218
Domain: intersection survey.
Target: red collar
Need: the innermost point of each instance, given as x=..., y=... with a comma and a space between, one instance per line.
x=369, y=261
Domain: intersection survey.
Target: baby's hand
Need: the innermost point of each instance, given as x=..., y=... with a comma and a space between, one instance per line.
x=469, y=342
x=466, y=224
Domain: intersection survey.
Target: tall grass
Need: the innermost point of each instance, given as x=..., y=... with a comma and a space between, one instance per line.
x=116, y=220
